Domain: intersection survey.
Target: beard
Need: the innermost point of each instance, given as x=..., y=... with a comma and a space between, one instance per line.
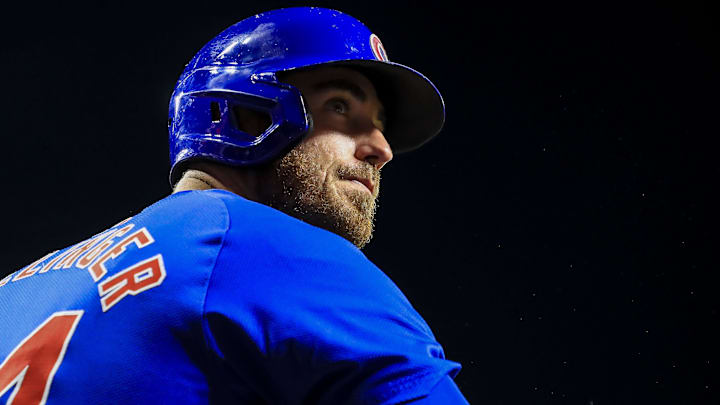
x=316, y=195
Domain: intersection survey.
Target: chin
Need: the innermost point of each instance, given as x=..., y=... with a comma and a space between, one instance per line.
x=354, y=217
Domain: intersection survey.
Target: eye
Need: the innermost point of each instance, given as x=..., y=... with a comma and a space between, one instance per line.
x=339, y=106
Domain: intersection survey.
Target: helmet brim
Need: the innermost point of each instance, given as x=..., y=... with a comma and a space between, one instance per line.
x=414, y=107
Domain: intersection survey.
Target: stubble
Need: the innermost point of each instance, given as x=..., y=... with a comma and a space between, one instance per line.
x=319, y=197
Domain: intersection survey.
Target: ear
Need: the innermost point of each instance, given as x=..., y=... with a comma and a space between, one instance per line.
x=311, y=123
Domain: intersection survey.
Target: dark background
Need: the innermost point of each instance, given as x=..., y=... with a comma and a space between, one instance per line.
x=559, y=236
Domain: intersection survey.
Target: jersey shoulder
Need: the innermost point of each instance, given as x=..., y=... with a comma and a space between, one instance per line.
x=249, y=219
x=285, y=294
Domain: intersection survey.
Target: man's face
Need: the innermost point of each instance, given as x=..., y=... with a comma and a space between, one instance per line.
x=332, y=178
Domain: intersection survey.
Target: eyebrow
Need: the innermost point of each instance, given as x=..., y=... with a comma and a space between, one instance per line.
x=352, y=88
x=341, y=84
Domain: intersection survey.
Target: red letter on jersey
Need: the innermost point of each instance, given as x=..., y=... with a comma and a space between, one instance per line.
x=141, y=237
x=88, y=257
x=31, y=269
x=5, y=280
x=133, y=280
x=32, y=364
x=78, y=250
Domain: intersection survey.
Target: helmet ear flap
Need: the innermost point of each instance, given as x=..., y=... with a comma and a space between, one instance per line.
x=310, y=127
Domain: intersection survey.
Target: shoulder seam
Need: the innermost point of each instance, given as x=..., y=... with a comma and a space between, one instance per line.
x=209, y=341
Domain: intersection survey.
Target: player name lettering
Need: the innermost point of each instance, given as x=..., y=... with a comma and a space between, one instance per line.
x=95, y=254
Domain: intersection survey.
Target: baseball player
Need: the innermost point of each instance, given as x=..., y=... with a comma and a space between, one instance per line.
x=246, y=285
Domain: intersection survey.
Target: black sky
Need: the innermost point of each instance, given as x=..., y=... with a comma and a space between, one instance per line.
x=559, y=236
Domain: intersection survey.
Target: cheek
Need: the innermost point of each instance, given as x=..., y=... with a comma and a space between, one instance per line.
x=325, y=152
x=315, y=160
x=329, y=145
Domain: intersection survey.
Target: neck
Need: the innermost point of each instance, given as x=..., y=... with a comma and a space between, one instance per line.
x=197, y=180
x=251, y=183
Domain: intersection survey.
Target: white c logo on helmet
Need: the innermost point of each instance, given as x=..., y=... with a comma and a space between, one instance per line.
x=378, y=48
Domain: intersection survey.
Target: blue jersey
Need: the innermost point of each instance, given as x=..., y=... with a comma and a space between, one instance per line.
x=206, y=297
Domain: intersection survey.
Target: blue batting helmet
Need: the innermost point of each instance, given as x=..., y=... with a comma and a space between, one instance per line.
x=239, y=67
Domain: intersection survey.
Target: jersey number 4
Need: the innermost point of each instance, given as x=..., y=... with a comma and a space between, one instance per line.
x=32, y=364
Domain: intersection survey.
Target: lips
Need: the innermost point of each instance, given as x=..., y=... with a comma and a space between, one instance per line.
x=364, y=181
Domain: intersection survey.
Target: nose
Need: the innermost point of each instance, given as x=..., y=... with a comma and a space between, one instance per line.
x=374, y=149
